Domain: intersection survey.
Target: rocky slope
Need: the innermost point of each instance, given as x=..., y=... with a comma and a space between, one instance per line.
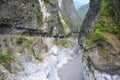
x=100, y=35
x=34, y=58
x=37, y=17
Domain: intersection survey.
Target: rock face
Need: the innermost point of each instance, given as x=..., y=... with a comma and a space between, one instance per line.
x=36, y=17
x=100, y=35
x=93, y=74
x=34, y=58
x=70, y=14
x=17, y=17
x=4, y=74
x=89, y=21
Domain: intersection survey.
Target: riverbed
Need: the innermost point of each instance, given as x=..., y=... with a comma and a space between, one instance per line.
x=72, y=70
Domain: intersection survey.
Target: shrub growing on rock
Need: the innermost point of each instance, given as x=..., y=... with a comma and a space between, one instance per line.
x=20, y=40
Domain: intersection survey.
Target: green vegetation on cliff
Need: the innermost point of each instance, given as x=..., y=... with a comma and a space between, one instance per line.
x=103, y=42
x=39, y=58
x=4, y=59
x=20, y=40
x=106, y=23
x=50, y=1
x=62, y=42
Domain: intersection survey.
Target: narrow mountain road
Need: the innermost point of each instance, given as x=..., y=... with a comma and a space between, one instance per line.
x=73, y=70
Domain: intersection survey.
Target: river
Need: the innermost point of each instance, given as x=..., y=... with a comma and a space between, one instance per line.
x=58, y=64
x=73, y=70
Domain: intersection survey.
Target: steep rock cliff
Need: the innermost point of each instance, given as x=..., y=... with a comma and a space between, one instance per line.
x=90, y=19
x=17, y=17
x=70, y=14
x=100, y=35
x=36, y=17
